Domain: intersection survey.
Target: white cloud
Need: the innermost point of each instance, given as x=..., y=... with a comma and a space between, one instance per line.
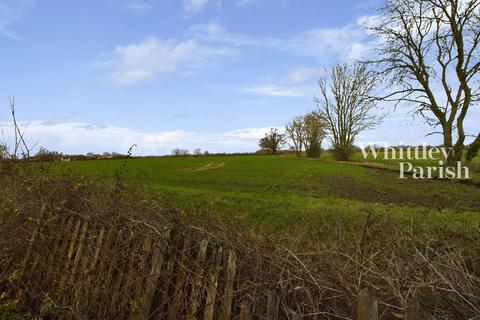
x=328, y=45
x=274, y=90
x=154, y=57
x=293, y=84
x=74, y=138
x=350, y=41
x=11, y=12
x=215, y=33
x=301, y=74
x=193, y=7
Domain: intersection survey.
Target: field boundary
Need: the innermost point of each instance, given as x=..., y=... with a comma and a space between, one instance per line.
x=100, y=272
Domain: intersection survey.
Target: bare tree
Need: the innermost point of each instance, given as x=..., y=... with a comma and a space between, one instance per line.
x=430, y=56
x=20, y=146
x=306, y=132
x=295, y=130
x=314, y=133
x=197, y=152
x=180, y=152
x=346, y=106
x=176, y=152
x=272, y=142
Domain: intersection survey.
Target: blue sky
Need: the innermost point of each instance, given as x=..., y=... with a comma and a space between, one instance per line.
x=100, y=75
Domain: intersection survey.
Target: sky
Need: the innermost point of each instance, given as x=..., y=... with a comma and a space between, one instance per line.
x=102, y=75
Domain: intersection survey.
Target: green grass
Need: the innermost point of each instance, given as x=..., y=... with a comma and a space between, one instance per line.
x=294, y=195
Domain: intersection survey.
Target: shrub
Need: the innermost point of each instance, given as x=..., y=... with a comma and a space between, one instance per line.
x=342, y=153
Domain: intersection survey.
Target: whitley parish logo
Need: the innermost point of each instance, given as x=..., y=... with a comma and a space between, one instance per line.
x=410, y=161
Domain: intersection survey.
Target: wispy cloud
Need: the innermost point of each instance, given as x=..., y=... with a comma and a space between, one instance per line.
x=136, y=5
x=72, y=137
x=215, y=33
x=301, y=74
x=350, y=41
x=193, y=7
x=293, y=84
x=328, y=45
x=11, y=12
x=273, y=90
x=153, y=57
x=246, y=2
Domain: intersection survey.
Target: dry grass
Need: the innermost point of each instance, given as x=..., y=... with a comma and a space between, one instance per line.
x=314, y=279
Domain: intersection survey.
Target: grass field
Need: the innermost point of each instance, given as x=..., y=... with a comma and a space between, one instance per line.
x=291, y=194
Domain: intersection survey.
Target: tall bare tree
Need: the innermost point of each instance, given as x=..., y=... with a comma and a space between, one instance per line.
x=20, y=147
x=306, y=132
x=430, y=55
x=295, y=130
x=346, y=105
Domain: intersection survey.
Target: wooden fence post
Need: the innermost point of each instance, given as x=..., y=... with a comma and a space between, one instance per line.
x=245, y=312
x=33, y=240
x=229, y=285
x=413, y=310
x=180, y=280
x=273, y=305
x=162, y=299
x=63, y=296
x=212, y=287
x=152, y=281
x=98, y=247
x=197, y=280
x=105, y=300
x=367, y=305
x=100, y=273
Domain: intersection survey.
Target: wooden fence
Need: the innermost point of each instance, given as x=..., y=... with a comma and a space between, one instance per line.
x=91, y=271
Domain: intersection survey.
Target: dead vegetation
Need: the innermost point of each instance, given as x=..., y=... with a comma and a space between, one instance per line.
x=39, y=213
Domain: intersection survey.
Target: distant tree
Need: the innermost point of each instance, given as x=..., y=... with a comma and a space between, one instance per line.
x=106, y=155
x=295, y=130
x=314, y=132
x=197, y=152
x=46, y=155
x=180, y=152
x=346, y=106
x=116, y=155
x=272, y=142
x=206, y=153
